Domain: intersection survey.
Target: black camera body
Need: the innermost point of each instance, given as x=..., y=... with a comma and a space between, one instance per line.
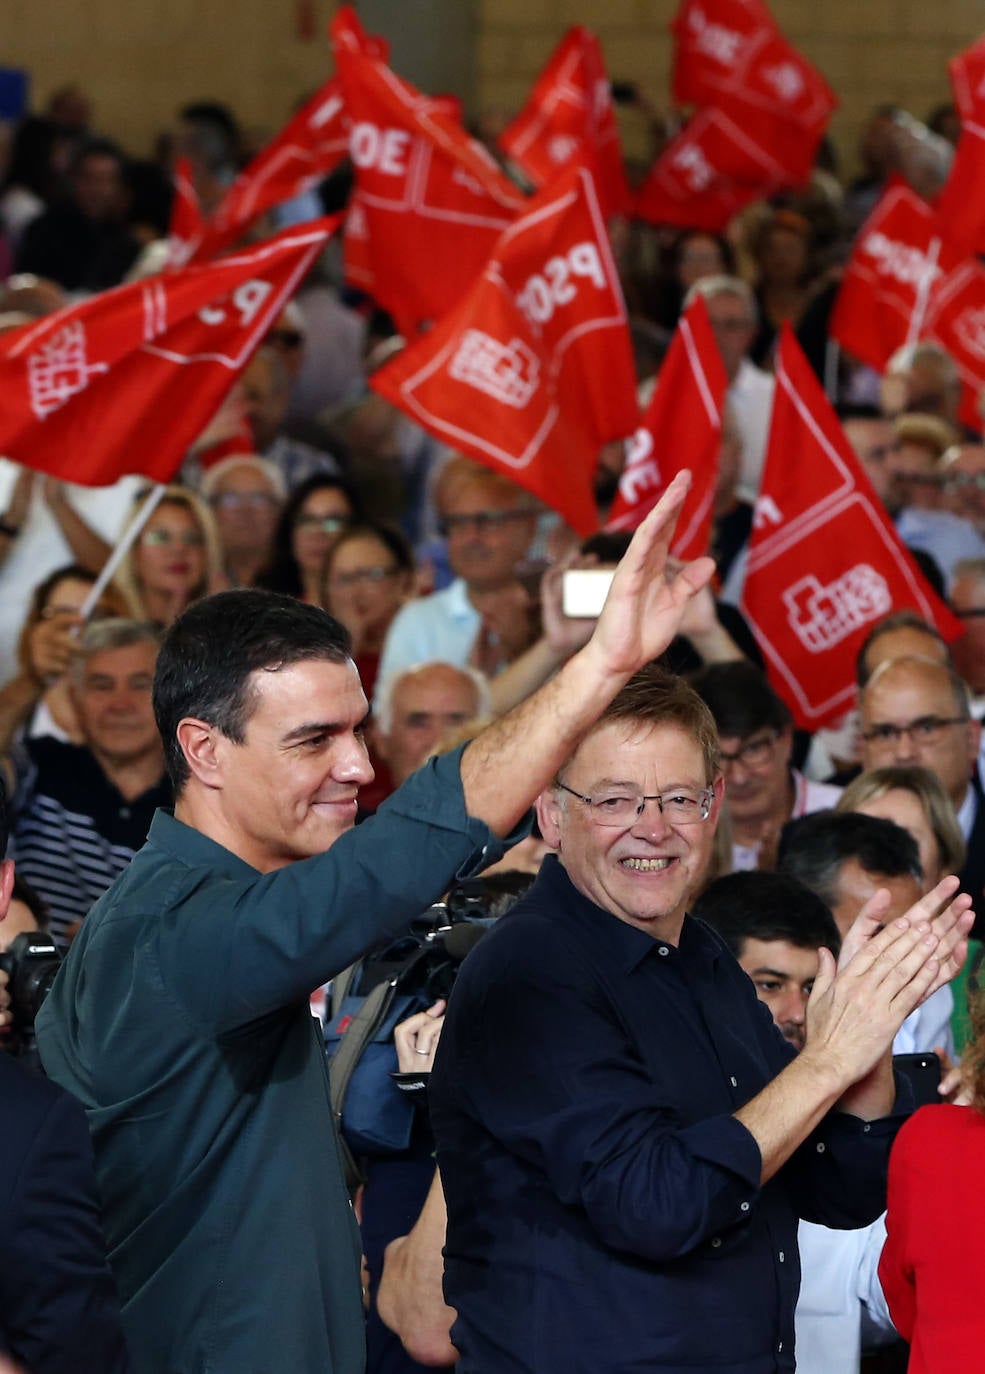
x=30, y=963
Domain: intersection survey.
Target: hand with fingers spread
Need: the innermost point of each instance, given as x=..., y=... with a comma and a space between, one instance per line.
x=885, y=973
x=643, y=610
x=417, y=1038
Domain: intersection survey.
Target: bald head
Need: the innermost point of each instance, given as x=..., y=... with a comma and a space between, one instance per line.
x=915, y=711
x=418, y=707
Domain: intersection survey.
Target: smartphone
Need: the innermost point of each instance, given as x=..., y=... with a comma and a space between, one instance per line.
x=583, y=591
x=924, y=1074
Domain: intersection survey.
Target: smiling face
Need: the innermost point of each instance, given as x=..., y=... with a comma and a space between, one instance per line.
x=169, y=556
x=289, y=789
x=113, y=700
x=364, y=585
x=646, y=872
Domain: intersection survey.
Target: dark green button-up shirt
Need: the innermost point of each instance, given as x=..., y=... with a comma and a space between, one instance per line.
x=181, y=1021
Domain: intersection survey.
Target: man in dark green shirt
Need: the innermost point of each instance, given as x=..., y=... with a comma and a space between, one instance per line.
x=181, y=1018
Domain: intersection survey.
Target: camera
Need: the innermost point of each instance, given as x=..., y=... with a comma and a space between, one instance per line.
x=30, y=963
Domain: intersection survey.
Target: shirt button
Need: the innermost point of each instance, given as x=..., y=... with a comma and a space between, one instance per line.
x=662, y=949
x=734, y=1081
x=779, y=1348
x=821, y=1147
x=783, y=1258
x=716, y=1243
x=124, y=813
x=866, y=1128
x=743, y=1207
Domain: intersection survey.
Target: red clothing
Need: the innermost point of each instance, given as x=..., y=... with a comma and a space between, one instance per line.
x=933, y=1264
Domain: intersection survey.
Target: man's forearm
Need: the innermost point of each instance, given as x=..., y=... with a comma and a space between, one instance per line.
x=511, y=762
x=782, y=1116
x=410, y=1300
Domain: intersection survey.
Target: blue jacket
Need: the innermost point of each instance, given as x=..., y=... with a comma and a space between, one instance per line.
x=604, y=1207
x=59, y=1313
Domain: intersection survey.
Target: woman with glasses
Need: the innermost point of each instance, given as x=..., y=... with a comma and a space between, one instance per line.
x=368, y=575
x=175, y=559
x=316, y=514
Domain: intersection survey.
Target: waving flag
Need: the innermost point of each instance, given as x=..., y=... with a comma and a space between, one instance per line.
x=688, y=184
x=570, y=118
x=967, y=72
x=825, y=562
x=533, y=371
x=956, y=320
x=900, y=258
x=682, y=428
x=308, y=147
x=433, y=201
x=126, y=380
x=185, y=230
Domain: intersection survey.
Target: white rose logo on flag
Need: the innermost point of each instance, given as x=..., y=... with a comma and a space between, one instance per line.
x=822, y=617
x=970, y=329
x=507, y=372
x=59, y=369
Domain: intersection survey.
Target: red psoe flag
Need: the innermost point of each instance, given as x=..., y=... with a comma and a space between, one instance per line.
x=688, y=184
x=533, y=372
x=307, y=149
x=732, y=50
x=825, y=562
x=961, y=204
x=967, y=73
x=125, y=381
x=433, y=201
x=956, y=321
x=186, y=229
x=899, y=260
x=570, y=118
x=682, y=428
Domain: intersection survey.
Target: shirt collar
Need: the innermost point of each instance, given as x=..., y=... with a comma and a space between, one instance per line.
x=967, y=812
x=459, y=605
x=190, y=846
x=625, y=945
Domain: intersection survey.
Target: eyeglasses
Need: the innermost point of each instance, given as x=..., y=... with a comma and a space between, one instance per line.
x=926, y=730
x=285, y=338
x=753, y=754
x=974, y=613
x=955, y=481
x=481, y=520
x=233, y=500
x=680, y=807
x=360, y=576
x=158, y=539
x=328, y=524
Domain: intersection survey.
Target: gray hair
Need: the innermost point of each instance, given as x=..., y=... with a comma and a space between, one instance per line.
x=383, y=699
x=723, y=285
x=214, y=475
x=100, y=635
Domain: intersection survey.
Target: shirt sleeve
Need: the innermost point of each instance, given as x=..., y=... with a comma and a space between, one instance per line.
x=594, y=1124
x=285, y=933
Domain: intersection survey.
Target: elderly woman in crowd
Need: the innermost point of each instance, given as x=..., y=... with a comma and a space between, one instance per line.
x=246, y=494
x=316, y=514
x=369, y=574
x=933, y=1265
x=175, y=559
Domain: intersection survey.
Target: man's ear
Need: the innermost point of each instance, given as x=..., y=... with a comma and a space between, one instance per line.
x=548, y=806
x=198, y=742
x=6, y=886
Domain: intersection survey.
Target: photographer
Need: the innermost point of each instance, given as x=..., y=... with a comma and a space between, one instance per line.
x=58, y=1306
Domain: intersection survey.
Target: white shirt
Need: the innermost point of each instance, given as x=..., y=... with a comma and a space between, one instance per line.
x=440, y=628
x=750, y=398
x=839, y=1286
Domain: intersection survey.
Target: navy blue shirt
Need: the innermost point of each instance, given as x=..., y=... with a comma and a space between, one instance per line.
x=604, y=1207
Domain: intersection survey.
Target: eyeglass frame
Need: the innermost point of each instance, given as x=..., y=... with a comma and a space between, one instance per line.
x=482, y=519
x=328, y=524
x=160, y=538
x=371, y=576
x=964, y=479
x=741, y=755
x=893, y=734
x=706, y=797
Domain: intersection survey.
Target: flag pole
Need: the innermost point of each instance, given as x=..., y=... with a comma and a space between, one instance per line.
x=923, y=293
x=127, y=540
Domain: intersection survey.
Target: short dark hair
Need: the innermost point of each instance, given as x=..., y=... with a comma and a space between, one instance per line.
x=814, y=848
x=896, y=620
x=740, y=699
x=767, y=906
x=206, y=664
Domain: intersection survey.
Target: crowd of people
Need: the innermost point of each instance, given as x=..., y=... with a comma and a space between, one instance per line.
x=631, y=1152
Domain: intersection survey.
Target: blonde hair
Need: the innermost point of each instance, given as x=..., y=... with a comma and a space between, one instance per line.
x=126, y=579
x=928, y=790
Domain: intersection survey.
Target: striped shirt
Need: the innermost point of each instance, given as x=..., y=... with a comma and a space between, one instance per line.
x=74, y=833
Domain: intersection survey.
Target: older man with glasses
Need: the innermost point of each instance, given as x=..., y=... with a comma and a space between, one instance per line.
x=624, y=1138
x=756, y=732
